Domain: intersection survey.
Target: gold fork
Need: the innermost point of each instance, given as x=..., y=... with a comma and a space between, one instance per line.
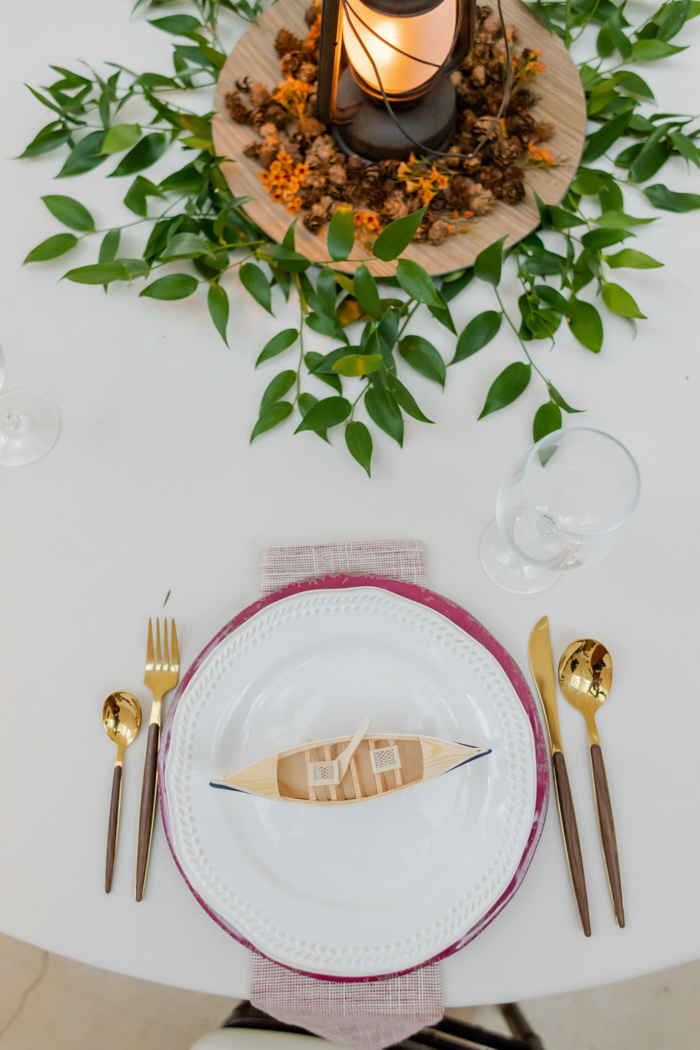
x=161, y=676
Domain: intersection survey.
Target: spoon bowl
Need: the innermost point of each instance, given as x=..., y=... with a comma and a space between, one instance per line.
x=121, y=715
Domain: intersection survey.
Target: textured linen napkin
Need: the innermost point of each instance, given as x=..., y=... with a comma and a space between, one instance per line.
x=365, y=1014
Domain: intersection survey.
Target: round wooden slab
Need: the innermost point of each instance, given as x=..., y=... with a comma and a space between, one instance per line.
x=561, y=102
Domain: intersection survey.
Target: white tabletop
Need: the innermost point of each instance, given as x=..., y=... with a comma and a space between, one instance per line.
x=153, y=487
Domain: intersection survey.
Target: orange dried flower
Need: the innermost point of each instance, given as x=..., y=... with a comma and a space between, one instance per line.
x=284, y=179
x=539, y=155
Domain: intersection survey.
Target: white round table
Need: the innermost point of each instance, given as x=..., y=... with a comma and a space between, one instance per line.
x=153, y=488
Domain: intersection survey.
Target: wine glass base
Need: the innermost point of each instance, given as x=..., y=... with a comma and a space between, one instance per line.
x=30, y=425
x=502, y=565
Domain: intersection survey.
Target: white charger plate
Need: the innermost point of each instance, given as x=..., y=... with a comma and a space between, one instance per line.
x=380, y=887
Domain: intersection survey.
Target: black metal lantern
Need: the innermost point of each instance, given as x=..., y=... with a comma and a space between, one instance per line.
x=395, y=95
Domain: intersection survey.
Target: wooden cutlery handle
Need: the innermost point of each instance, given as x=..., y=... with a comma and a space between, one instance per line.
x=571, y=839
x=148, y=806
x=607, y=832
x=113, y=826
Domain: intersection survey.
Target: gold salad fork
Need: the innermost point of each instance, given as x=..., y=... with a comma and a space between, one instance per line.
x=161, y=676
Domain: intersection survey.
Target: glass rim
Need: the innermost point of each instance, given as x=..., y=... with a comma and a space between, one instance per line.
x=548, y=438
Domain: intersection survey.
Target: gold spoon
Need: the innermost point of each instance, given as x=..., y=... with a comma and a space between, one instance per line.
x=585, y=678
x=121, y=715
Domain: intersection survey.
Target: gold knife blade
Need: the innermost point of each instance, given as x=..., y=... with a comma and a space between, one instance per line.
x=540, y=657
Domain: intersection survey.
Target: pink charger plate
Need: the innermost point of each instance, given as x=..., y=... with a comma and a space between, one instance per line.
x=467, y=623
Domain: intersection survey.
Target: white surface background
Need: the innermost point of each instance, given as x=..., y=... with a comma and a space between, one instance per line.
x=153, y=487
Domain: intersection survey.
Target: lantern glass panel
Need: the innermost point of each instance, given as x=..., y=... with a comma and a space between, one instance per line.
x=429, y=36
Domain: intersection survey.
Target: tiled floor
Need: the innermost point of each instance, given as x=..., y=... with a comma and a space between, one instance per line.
x=50, y=1003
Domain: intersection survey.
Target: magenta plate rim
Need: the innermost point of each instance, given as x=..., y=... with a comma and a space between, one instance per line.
x=471, y=626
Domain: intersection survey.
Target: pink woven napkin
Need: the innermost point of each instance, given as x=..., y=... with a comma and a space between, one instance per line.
x=367, y=1014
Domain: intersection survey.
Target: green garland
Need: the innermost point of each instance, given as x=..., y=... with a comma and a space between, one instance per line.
x=200, y=221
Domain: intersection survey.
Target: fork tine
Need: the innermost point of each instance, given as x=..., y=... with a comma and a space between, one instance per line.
x=159, y=660
x=149, y=647
x=175, y=665
x=166, y=652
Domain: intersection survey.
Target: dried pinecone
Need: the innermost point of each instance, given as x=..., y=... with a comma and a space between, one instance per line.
x=277, y=115
x=290, y=63
x=395, y=207
x=437, y=232
x=286, y=41
x=236, y=108
x=481, y=200
x=543, y=131
x=243, y=84
x=505, y=152
x=457, y=194
x=307, y=72
x=259, y=96
x=512, y=191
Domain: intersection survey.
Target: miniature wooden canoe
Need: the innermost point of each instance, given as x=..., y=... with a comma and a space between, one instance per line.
x=345, y=769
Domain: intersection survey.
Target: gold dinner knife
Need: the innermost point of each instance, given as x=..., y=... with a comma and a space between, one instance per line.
x=540, y=656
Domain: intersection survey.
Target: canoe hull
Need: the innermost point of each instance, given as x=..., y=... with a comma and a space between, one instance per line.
x=285, y=776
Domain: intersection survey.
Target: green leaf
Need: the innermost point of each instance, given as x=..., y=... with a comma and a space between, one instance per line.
x=384, y=411
x=327, y=291
x=134, y=268
x=611, y=199
x=630, y=257
x=277, y=345
x=254, y=281
x=480, y=331
x=70, y=213
x=625, y=158
x=288, y=241
x=285, y=258
x=661, y=197
x=325, y=325
x=50, y=138
x=552, y=297
x=312, y=360
x=617, y=220
x=620, y=301
x=359, y=442
x=488, y=263
x=650, y=158
x=57, y=245
x=178, y=25
x=344, y=280
x=143, y=155
x=559, y=400
x=341, y=234
x=174, y=286
x=137, y=193
x=277, y=388
x=405, y=399
x=397, y=236
x=326, y=413
x=601, y=141
x=269, y=419
x=97, y=273
x=422, y=355
x=366, y=292
x=547, y=420
x=187, y=245
x=634, y=85
x=506, y=387
x=358, y=364
x=653, y=50
x=121, y=137
x=443, y=315
x=109, y=246
x=414, y=280
x=589, y=181
x=452, y=287
x=217, y=300
x=686, y=147
x=585, y=323
x=597, y=239
x=85, y=156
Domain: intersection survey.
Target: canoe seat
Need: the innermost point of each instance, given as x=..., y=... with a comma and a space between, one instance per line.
x=384, y=758
x=323, y=773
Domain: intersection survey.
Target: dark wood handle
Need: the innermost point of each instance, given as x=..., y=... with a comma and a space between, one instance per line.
x=607, y=832
x=569, y=827
x=113, y=827
x=148, y=806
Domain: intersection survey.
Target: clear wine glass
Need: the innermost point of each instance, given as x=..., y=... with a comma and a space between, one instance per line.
x=559, y=509
x=30, y=424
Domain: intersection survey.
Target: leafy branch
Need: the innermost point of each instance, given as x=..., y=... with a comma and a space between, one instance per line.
x=197, y=223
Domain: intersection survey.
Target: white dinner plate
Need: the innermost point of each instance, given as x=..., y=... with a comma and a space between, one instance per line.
x=371, y=889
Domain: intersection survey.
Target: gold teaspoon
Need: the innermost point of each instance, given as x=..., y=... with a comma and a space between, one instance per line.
x=585, y=678
x=121, y=715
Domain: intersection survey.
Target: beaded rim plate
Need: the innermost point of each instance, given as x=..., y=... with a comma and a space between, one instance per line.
x=376, y=890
